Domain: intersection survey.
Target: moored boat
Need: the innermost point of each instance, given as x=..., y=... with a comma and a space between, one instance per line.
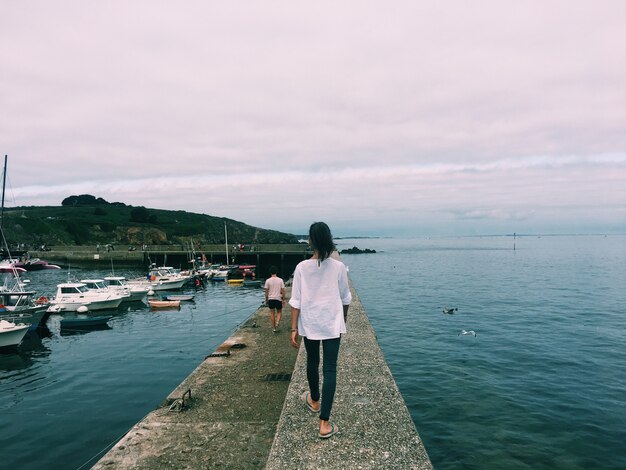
x=71, y=296
x=12, y=334
x=11, y=266
x=154, y=303
x=162, y=278
x=182, y=297
x=20, y=306
x=31, y=264
x=98, y=285
x=85, y=322
x=36, y=264
x=120, y=284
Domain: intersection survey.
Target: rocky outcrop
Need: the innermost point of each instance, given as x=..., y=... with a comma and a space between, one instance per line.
x=356, y=251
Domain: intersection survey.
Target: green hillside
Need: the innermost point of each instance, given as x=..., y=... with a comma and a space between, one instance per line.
x=86, y=220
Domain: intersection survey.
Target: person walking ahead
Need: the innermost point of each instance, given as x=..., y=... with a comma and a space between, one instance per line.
x=320, y=296
x=275, y=296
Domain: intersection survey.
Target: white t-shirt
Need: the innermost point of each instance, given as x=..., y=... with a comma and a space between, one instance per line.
x=320, y=291
x=274, y=286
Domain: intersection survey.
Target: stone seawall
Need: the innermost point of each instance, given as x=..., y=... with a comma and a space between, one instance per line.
x=241, y=409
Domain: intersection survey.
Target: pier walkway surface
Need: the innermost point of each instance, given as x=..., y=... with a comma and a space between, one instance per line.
x=244, y=413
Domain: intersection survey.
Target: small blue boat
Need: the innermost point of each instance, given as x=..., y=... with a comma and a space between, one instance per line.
x=85, y=322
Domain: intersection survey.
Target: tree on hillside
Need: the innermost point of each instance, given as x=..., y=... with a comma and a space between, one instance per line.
x=140, y=214
x=83, y=200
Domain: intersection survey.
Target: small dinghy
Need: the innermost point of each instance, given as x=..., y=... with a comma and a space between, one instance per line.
x=164, y=303
x=182, y=297
x=85, y=322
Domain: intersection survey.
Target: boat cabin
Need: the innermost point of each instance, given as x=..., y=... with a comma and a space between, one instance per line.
x=94, y=284
x=116, y=281
x=72, y=288
x=16, y=299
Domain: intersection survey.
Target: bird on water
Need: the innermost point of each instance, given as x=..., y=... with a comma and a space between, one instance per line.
x=449, y=310
x=470, y=332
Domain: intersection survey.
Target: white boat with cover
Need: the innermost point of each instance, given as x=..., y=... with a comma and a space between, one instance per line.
x=164, y=278
x=12, y=334
x=120, y=284
x=71, y=296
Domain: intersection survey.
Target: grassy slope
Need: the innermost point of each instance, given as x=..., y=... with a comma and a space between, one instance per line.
x=113, y=223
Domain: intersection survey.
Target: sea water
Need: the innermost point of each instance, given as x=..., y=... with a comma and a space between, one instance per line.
x=67, y=396
x=542, y=385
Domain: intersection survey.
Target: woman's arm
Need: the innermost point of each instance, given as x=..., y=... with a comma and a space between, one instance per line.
x=294, y=326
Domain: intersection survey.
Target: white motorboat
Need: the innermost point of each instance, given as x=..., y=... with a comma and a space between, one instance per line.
x=100, y=286
x=165, y=278
x=71, y=296
x=219, y=272
x=12, y=334
x=176, y=273
x=136, y=291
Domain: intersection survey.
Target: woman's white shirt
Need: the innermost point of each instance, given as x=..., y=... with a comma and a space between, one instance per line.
x=319, y=291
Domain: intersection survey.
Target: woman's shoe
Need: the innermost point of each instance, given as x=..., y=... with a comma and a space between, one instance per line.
x=305, y=397
x=333, y=430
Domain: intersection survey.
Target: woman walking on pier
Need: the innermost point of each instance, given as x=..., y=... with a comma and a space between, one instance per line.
x=320, y=297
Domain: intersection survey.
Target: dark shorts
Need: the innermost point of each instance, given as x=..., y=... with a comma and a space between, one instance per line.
x=275, y=304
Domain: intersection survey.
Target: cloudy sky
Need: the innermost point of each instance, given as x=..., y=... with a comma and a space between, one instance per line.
x=390, y=118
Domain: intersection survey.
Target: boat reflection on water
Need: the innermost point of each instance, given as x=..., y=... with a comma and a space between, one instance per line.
x=72, y=331
x=30, y=350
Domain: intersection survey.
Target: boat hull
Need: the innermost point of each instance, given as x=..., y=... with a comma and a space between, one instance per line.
x=10, y=337
x=35, y=316
x=164, y=303
x=72, y=306
x=168, y=285
x=85, y=322
x=179, y=297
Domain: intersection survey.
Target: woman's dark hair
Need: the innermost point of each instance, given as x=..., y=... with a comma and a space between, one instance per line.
x=321, y=239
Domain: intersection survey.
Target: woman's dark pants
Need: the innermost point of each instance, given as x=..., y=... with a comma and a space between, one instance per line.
x=331, y=351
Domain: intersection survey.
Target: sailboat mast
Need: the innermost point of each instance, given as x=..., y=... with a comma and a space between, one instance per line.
x=226, y=242
x=4, y=180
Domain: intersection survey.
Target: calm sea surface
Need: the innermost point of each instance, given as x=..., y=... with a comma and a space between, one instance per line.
x=541, y=386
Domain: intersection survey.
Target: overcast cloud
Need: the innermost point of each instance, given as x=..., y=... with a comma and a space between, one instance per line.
x=378, y=117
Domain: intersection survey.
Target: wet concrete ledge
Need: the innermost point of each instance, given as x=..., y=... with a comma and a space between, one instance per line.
x=236, y=418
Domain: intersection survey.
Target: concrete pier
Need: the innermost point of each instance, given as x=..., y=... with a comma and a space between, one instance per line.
x=245, y=413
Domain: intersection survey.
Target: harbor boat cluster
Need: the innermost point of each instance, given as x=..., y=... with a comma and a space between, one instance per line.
x=22, y=309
